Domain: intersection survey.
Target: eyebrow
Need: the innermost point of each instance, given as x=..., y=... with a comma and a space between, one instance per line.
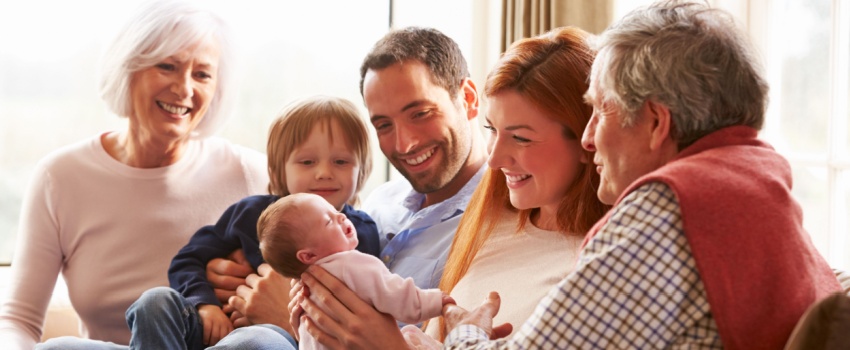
x=513, y=127
x=406, y=107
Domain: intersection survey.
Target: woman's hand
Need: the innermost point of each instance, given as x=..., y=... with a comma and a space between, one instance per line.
x=225, y=275
x=351, y=324
x=263, y=299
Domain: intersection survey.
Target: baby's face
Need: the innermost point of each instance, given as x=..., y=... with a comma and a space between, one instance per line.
x=330, y=231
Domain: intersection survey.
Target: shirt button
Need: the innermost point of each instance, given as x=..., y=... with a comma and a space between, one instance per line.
x=386, y=259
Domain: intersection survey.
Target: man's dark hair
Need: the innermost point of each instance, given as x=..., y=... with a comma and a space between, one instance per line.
x=427, y=45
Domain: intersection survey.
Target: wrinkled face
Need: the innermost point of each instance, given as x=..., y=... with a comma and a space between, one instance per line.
x=530, y=148
x=422, y=131
x=622, y=153
x=324, y=167
x=170, y=99
x=329, y=230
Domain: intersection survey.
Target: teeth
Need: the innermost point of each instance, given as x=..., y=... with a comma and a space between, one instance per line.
x=173, y=109
x=420, y=159
x=516, y=178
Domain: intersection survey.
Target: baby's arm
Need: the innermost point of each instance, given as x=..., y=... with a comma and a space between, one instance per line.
x=387, y=292
x=216, y=324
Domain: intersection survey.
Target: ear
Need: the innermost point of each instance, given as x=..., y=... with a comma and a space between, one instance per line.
x=469, y=93
x=660, y=123
x=306, y=256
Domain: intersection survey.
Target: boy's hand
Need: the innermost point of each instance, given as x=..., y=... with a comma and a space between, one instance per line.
x=216, y=324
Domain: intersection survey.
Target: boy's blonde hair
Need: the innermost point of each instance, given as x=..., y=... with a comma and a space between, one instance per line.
x=294, y=125
x=281, y=236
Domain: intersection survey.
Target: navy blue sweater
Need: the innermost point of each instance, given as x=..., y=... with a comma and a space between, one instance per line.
x=237, y=228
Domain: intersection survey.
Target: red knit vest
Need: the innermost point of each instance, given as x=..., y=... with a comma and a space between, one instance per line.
x=758, y=264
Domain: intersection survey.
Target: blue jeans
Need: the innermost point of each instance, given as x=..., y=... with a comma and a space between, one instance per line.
x=164, y=319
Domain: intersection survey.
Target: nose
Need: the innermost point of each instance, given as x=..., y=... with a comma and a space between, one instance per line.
x=499, y=155
x=589, y=133
x=182, y=86
x=340, y=217
x=323, y=171
x=405, y=139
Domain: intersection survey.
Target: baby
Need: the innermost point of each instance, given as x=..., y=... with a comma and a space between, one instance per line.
x=303, y=229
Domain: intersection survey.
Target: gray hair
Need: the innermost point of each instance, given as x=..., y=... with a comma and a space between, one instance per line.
x=160, y=30
x=686, y=56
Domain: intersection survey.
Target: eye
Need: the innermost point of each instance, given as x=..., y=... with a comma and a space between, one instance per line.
x=490, y=128
x=166, y=67
x=381, y=125
x=203, y=75
x=520, y=140
x=341, y=161
x=421, y=114
x=306, y=162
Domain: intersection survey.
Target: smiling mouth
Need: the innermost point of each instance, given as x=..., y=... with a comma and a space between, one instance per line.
x=516, y=178
x=422, y=158
x=172, y=108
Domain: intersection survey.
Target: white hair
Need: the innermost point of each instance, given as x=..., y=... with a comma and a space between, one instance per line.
x=161, y=29
x=687, y=56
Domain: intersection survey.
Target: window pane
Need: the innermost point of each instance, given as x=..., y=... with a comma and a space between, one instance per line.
x=798, y=66
x=810, y=189
x=48, y=97
x=840, y=255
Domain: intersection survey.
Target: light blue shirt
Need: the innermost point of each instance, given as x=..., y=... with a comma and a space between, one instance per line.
x=415, y=241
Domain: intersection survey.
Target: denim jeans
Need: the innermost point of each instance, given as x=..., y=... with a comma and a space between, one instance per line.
x=163, y=319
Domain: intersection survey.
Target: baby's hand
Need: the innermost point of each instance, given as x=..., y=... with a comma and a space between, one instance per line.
x=216, y=324
x=447, y=299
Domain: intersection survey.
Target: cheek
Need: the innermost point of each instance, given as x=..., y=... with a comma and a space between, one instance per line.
x=296, y=179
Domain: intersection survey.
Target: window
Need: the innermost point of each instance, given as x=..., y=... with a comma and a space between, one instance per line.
x=807, y=50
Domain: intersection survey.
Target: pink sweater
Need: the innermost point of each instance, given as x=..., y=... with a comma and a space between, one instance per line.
x=375, y=284
x=758, y=264
x=111, y=230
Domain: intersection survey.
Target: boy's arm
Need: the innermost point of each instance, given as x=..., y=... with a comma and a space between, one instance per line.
x=237, y=228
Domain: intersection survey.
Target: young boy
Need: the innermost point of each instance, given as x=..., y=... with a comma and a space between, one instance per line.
x=304, y=229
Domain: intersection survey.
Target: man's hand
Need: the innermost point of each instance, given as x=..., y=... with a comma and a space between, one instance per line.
x=417, y=340
x=481, y=317
x=352, y=324
x=295, y=311
x=262, y=299
x=225, y=275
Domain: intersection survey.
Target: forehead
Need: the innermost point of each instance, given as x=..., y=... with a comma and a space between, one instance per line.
x=204, y=52
x=392, y=88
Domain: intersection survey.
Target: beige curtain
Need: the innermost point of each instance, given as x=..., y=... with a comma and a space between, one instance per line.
x=527, y=18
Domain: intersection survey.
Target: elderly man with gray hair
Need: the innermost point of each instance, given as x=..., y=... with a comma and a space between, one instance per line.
x=704, y=247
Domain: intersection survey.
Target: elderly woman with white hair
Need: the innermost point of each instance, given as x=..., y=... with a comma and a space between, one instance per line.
x=110, y=212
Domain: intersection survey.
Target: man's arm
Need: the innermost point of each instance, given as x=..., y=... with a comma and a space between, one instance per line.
x=636, y=286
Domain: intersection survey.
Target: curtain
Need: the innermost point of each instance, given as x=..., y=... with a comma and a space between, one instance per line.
x=527, y=18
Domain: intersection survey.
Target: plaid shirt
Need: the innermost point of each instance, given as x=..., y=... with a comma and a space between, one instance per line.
x=636, y=286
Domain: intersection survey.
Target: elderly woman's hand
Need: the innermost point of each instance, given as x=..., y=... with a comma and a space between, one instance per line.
x=225, y=275
x=352, y=323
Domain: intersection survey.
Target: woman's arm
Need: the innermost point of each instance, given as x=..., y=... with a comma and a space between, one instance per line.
x=352, y=324
x=36, y=265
